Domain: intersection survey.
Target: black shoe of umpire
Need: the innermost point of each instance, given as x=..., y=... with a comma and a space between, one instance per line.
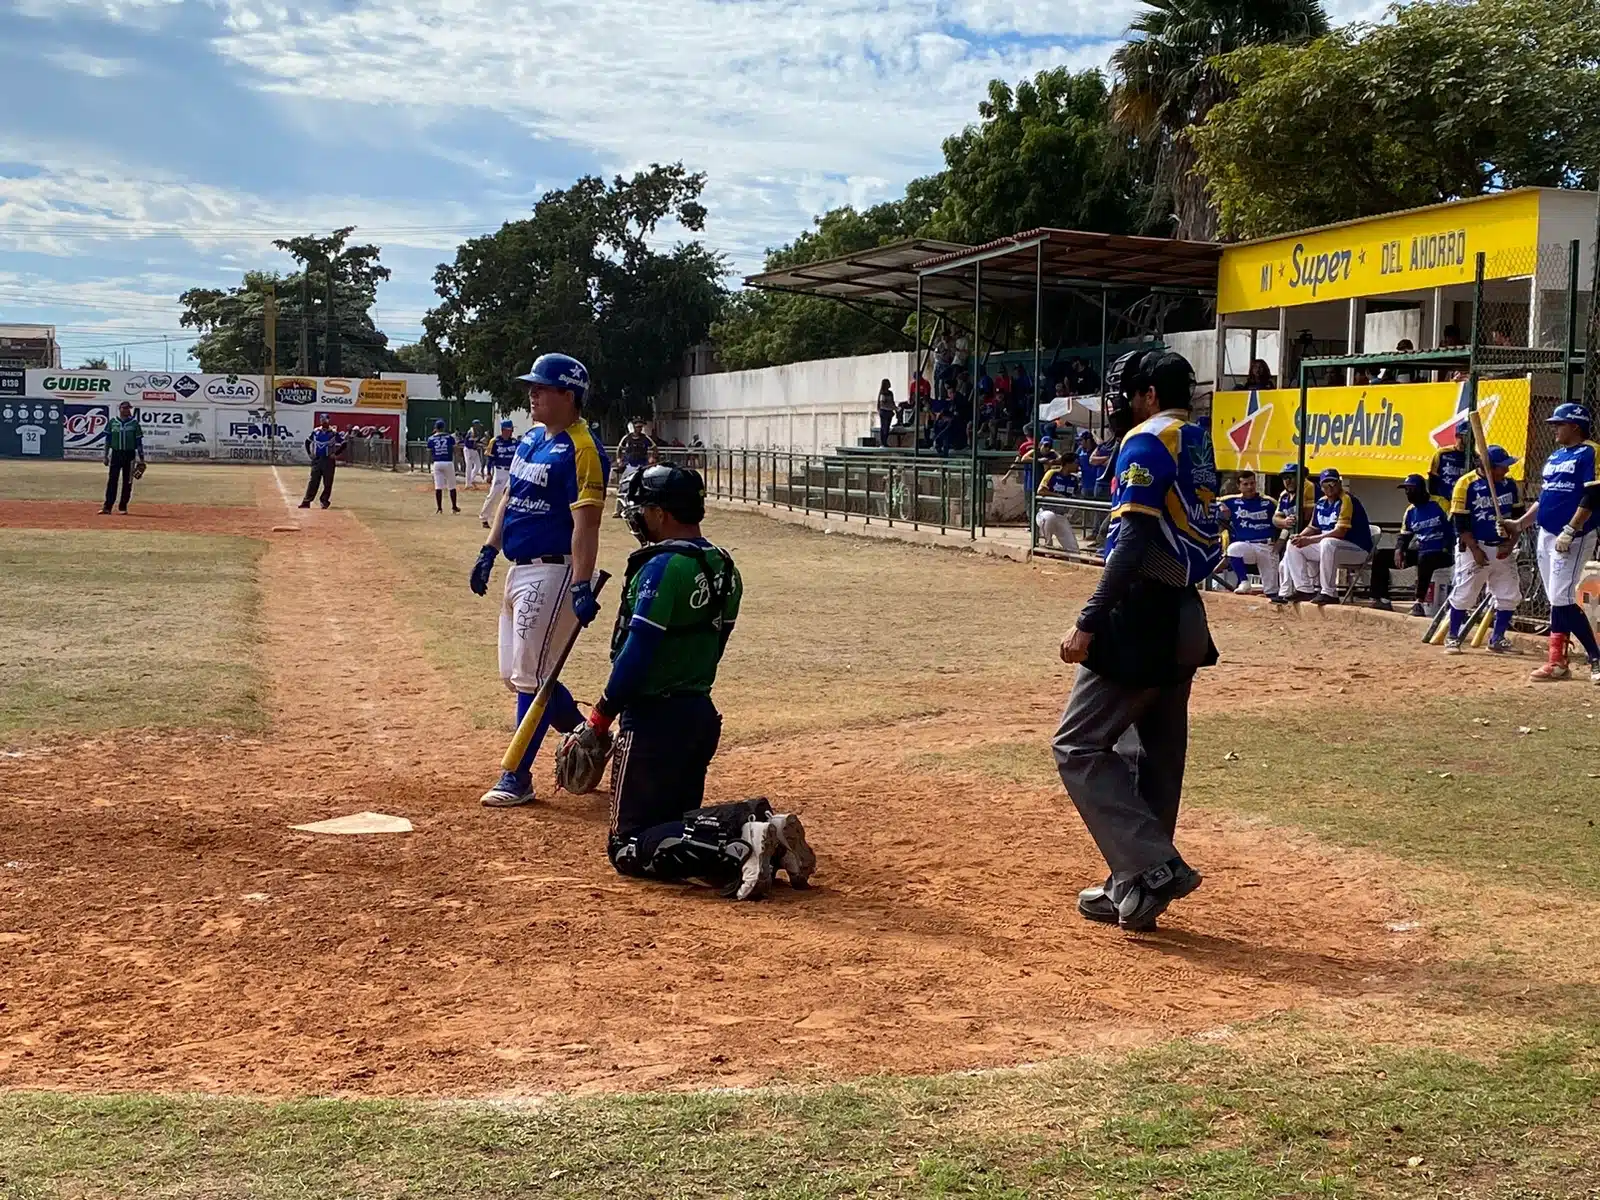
x=1095, y=904
x=1143, y=901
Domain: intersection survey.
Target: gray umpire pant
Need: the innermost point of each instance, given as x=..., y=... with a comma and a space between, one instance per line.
x=1121, y=751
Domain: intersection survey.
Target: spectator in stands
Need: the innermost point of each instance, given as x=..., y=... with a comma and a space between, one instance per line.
x=943, y=432
x=1058, y=484
x=921, y=393
x=1077, y=379
x=1397, y=374
x=1450, y=338
x=886, y=410
x=1338, y=535
x=1088, y=471
x=1259, y=376
x=944, y=354
x=1424, y=537
x=1248, y=516
x=963, y=351
x=1033, y=460
x=1104, y=458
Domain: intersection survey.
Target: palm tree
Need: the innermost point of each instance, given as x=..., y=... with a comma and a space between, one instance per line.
x=1166, y=81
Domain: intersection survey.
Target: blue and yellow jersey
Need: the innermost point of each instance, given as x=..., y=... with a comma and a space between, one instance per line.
x=501, y=451
x=1347, y=514
x=1567, y=472
x=551, y=476
x=442, y=447
x=1472, y=499
x=1057, y=482
x=1429, y=526
x=1166, y=469
x=1445, y=472
x=1249, y=520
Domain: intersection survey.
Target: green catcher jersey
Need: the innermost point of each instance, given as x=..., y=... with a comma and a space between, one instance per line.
x=690, y=591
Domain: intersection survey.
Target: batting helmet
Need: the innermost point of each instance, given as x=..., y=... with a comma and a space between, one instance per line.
x=1569, y=414
x=559, y=371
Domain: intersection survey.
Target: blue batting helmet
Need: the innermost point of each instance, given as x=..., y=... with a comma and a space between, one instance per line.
x=559, y=371
x=1499, y=456
x=438, y=422
x=1574, y=414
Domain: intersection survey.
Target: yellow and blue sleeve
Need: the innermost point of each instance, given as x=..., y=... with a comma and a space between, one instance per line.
x=591, y=473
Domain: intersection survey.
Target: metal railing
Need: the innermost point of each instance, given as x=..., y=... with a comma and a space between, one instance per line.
x=376, y=453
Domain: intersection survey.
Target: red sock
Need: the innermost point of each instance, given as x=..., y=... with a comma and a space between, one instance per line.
x=1558, y=648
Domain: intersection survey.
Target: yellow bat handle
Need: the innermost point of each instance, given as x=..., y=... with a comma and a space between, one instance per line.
x=541, y=701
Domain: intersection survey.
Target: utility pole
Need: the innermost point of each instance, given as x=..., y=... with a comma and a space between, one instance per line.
x=269, y=315
x=330, y=334
x=304, y=366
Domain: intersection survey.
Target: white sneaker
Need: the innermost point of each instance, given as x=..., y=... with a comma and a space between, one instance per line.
x=796, y=858
x=1594, y=670
x=1244, y=589
x=755, y=875
x=1452, y=645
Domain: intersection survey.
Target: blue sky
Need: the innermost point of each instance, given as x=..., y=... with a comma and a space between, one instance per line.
x=154, y=145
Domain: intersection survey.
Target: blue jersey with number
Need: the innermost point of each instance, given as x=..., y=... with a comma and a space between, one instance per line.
x=1472, y=499
x=324, y=442
x=1567, y=472
x=501, y=451
x=442, y=446
x=1428, y=525
x=552, y=475
x=1166, y=469
x=1249, y=520
x=1448, y=467
x=1344, y=512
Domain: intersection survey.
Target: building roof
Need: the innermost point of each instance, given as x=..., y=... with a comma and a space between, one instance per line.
x=883, y=275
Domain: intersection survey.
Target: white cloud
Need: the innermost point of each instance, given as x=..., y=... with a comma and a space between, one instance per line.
x=137, y=12
x=93, y=65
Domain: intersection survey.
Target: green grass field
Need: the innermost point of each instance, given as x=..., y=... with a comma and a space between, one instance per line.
x=164, y=483
x=1485, y=1084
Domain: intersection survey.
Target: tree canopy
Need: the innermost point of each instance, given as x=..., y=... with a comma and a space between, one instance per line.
x=1446, y=100
x=581, y=276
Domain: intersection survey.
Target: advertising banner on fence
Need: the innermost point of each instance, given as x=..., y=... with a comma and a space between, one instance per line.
x=177, y=431
x=247, y=435
x=1382, y=430
x=83, y=430
x=30, y=429
x=368, y=424
x=13, y=382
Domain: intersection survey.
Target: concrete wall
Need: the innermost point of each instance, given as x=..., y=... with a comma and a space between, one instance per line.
x=806, y=407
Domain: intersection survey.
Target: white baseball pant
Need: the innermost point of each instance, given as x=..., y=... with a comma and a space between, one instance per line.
x=1316, y=567
x=1561, y=573
x=474, y=462
x=536, y=619
x=499, y=481
x=444, y=476
x=1263, y=556
x=1499, y=575
x=1056, y=525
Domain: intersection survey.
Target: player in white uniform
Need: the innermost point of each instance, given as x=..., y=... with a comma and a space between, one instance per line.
x=442, y=450
x=501, y=451
x=1485, y=557
x=472, y=454
x=549, y=530
x=1251, y=534
x=1568, y=515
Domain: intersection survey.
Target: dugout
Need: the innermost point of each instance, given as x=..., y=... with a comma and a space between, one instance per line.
x=1485, y=290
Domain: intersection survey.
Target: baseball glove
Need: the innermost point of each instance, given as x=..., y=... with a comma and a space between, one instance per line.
x=581, y=759
x=138, y=470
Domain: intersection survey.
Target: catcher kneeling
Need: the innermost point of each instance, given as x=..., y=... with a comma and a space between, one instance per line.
x=680, y=598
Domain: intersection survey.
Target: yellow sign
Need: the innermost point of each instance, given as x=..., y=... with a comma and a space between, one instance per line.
x=381, y=393
x=1382, y=430
x=1429, y=248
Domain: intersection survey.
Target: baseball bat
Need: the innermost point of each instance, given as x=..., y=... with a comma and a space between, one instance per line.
x=541, y=700
x=1480, y=445
x=1480, y=634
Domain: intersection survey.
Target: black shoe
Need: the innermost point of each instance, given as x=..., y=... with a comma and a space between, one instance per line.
x=305, y=504
x=1148, y=897
x=1095, y=904
x=1418, y=611
x=454, y=509
x=1305, y=597
x=105, y=511
x=1323, y=600
x=1280, y=601
x=1383, y=605
x=324, y=504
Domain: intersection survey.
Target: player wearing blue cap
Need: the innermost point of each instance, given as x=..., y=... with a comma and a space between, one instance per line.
x=549, y=531
x=442, y=450
x=1423, y=543
x=1248, y=515
x=1568, y=514
x=1484, y=557
x=1449, y=465
x=500, y=453
x=1338, y=535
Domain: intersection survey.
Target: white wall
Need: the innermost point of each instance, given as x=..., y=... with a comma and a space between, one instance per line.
x=807, y=407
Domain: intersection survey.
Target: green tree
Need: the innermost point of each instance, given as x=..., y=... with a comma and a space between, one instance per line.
x=1167, y=80
x=580, y=276
x=420, y=358
x=334, y=292
x=1447, y=100
x=97, y=363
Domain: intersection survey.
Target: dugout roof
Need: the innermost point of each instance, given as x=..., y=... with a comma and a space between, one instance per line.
x=883, y=275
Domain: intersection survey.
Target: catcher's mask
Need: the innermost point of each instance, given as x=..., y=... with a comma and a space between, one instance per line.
x=677, y=491
x=1137, y=371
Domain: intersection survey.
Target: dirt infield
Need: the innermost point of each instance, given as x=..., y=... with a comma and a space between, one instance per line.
x=162, y=927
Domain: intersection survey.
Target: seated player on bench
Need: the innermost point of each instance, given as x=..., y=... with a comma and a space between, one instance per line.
x=680, y=598
x=1250, y=535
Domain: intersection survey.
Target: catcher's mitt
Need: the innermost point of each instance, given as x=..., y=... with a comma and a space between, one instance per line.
x=138, y=470
x=581, y=759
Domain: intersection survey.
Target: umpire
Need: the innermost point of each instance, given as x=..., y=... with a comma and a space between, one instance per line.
x=322, y=444
x=124, y=456
x=1138, y=642
x=680, y=598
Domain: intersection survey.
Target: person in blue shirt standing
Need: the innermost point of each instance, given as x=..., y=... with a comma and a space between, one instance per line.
x=1138, y=641
x=1088, y=472
x=501, y=451
x=549, y=531
x=1250, y=535
x=1568, y=515
x=1339, y=535
x=1485, y=554
x=322, y=444
x=1423, y=544
x=442, y=450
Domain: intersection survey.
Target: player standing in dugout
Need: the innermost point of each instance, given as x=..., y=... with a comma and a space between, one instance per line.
x=124, y=456
x=680, y=599
x=549, y=530
x=1138, y=642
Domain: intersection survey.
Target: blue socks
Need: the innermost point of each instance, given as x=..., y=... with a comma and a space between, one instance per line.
x=561, y=712
x=1458, y=620
x=1502, y=623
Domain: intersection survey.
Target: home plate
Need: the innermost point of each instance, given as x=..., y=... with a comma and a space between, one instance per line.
x=361, y=822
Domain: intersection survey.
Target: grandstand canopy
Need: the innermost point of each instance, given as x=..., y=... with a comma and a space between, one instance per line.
x=1053, y=260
